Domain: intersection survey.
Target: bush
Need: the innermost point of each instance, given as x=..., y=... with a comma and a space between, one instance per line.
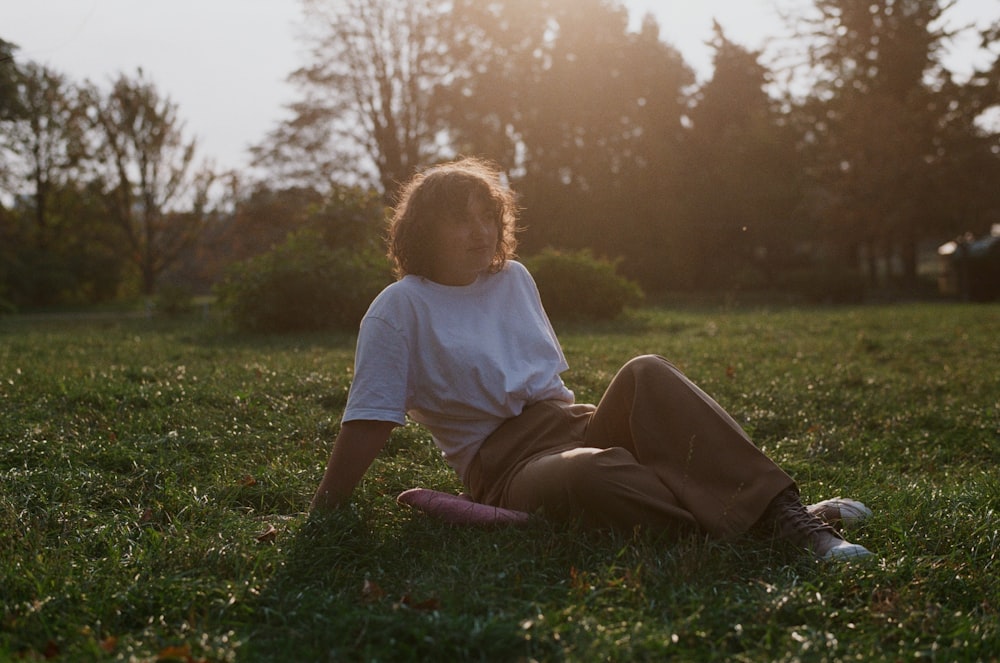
x=576, y=285
x=303, y=285
x=174, y=300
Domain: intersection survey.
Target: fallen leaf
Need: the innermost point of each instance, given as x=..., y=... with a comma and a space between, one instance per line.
x=181, y=652
x=371, y=592
x=407, y=601
x=269, y=535
x=108, y=644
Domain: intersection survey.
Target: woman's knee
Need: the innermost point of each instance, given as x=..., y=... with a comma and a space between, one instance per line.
x=642, y=362
x=652, y=368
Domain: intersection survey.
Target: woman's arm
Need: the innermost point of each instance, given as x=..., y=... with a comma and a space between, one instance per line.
x=357, y=445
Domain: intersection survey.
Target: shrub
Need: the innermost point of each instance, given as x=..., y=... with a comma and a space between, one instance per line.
x=576, y=285
x=303, y=285
x=174, y=300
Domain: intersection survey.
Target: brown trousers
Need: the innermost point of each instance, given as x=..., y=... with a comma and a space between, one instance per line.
x=656, y=452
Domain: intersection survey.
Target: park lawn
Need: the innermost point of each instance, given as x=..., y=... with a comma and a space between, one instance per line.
x=154, y=476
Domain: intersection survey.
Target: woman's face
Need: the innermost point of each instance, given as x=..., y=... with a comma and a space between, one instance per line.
x=463, y=245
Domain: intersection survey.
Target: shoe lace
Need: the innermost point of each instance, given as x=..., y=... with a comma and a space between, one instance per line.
x=791, y=519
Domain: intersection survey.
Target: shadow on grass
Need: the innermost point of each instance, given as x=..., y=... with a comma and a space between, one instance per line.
x=347, y=590
x=417, y=589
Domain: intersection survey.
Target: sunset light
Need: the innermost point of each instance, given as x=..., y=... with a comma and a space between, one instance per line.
x=499, y=330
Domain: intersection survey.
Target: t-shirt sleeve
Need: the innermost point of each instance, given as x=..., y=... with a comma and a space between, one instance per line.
x=535, y=298
x=381, y=362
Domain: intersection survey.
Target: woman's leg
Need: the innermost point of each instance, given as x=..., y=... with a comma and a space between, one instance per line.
x=657, y=451
x=705, y=459
x=535, y=462
x=602, y=487
x=693, y=447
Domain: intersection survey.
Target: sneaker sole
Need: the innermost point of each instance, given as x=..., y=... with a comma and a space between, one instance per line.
x=846, y=552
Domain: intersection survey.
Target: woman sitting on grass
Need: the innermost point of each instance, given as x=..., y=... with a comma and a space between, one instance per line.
x=462, y=345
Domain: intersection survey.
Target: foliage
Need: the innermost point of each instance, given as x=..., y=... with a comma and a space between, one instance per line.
x=303, y=285
x=264, y=218
x=614, y=147
x=576, y=285
x=45, y=146
x=154, y=474
x=741, y=182
x=586, y=114
x=611, y=142
x=99, y=183
x=76, y=258
x=154, y=194
x=887, y=127
x=323, y=275
x=367, y=94
x=62, y=248
x=9, y=101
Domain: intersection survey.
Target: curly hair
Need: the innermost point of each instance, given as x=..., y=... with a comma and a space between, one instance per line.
x=444, y=192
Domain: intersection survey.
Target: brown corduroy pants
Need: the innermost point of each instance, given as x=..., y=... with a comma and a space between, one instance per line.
x=656, y=452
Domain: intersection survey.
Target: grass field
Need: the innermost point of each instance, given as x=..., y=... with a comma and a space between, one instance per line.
x=154, y=476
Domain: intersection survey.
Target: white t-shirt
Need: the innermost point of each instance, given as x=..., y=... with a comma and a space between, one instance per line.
x=457, y=359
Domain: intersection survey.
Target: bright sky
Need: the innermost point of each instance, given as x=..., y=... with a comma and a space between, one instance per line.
x=224, y=62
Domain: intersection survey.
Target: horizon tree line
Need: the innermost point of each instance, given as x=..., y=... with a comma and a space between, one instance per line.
x=612, y=144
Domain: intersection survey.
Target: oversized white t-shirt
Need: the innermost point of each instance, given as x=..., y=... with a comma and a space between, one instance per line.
x=457, y=359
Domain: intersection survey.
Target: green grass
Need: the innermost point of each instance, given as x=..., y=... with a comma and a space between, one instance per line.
x=141, y=460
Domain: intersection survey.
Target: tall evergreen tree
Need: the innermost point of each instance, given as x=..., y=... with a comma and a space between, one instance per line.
x=742, y=182
x=881, y=122
x=586, y=115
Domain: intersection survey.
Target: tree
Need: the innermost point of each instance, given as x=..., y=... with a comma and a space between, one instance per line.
x=154, y=195
x=585, y=115
x=741, y=181
x=62, y=247
x=500, y=51
x=8, y=82
x=45, y=146
x=967, y=196
x=368, y=93
x=10, y=108
x=881, y=124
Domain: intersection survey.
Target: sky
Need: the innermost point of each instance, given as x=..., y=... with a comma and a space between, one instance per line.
x=225, y=62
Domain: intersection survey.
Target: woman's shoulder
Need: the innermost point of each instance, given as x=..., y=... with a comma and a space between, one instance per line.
x=516, y=269
x=390, y=298
x=408, y=294
x=521, y=274
x=516, y=265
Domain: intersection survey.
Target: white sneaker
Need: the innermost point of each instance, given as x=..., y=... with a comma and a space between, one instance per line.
x=839, y=511
x=790, y=520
